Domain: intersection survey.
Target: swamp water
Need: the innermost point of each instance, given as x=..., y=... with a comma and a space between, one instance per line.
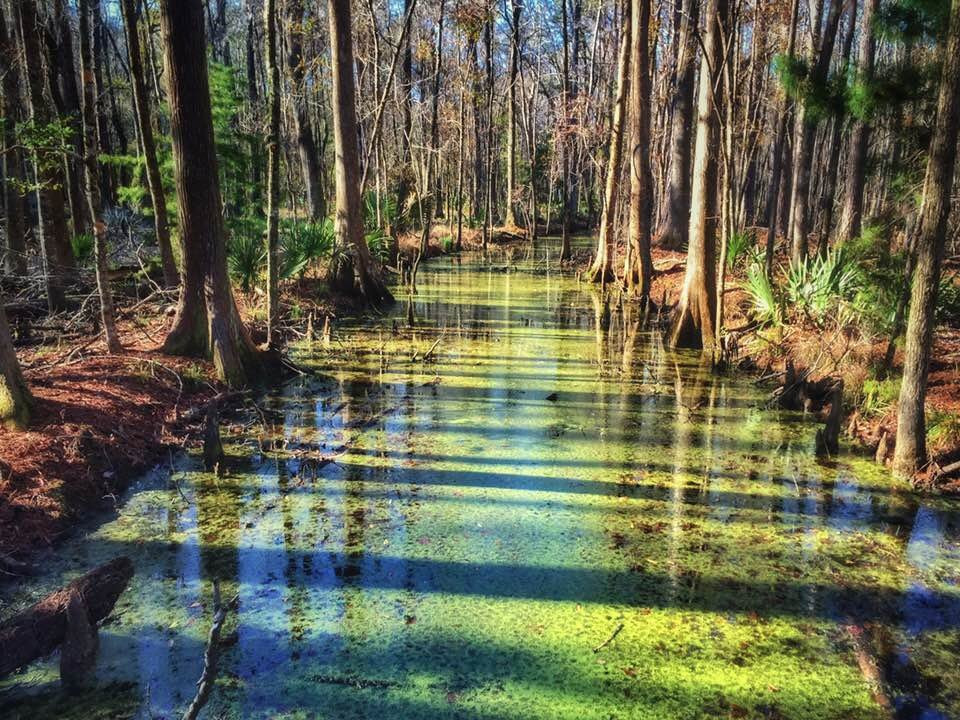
x=552, y=516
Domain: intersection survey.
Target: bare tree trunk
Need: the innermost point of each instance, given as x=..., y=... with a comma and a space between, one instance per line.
x=460, y=138
x=57, y=257
x=672, y=233
x=511, y=218
x=695, y=314
x=805, y=134
x=429, y=196
x=910, y=452
x=564, y=144
x=12, y=158
x=273, y=173
x=638, y=267
x=91, y=164
x=828, y=189
x=16, y=401
x=141, y=106
x=856, y=172
x=775, y=189
x=306, y=144
x=488, y=194
x=602, y=269
x=207, y=320
x=63, y=69
x=368, y=282
x=406, y=129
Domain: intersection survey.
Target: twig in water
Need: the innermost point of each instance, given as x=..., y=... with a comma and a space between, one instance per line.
x=609, y=640
x=211, y=656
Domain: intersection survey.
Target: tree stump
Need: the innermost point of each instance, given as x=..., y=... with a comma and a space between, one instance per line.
x=828, y=438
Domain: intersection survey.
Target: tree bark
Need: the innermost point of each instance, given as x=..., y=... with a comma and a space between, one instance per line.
x=63, y=69
x=92, y=176
x=777, y=149
x=207, y=321
x=511, y=217
x=16, y=401
x=672, y=233
x=910, y=452
x=429, y=197
x=273, y=173
x=37, y=631
x=13, y=200
x=805, y=135
x=638, y=267
x=57, y=257
x=141, y=106
x=306, y=143
x=856, y=172
x=602, y=269
x=564, y=144
x=367, y=280
x=694, y=316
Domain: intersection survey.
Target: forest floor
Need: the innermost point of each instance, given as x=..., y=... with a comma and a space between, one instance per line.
x=100, y=419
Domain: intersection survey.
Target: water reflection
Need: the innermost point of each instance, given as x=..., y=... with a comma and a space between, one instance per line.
x=451, y=537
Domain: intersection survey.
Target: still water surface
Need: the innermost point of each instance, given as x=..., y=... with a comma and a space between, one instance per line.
x=552, y=516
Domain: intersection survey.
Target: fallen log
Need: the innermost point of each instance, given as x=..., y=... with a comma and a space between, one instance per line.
x=41, y=628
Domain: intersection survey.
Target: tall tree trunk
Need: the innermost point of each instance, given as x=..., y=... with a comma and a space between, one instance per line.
x=511, y=218
x=253, y=97
x=406, y=128
x=57, y=257
x=207, y=321
x=273, y=173
x=367, y=280
x=306, y=143
x=602, y=269
x=911, y=451
x=638, y=267
x=15, y=399
x=64, y=69
x=695, y=314
x=430, y=195
x=777, y=149
x=91, y=165
x=141, y=106
x=12, y=159
x=564, y=143
x=805, y=133
x=856, y=172
x=672, y=233
x=488, y=194
x=828, y=189
x=460, y=158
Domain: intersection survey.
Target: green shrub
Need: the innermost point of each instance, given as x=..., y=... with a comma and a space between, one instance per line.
x=879, y=396
x=379, y=245
x=818, y=284
x=303, y=244
x=739, y=246
x=767, y=307
x=82, y=246
x=246, y=252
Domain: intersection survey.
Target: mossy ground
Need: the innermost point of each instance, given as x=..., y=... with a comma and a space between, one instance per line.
x=454, y=537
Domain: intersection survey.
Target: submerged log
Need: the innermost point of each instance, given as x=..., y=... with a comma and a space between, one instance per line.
x=41, y=628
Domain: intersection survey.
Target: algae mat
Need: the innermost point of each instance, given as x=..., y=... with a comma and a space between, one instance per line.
x=523, y=506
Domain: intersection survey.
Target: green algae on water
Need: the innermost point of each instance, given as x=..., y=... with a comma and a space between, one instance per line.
x=450, y=524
